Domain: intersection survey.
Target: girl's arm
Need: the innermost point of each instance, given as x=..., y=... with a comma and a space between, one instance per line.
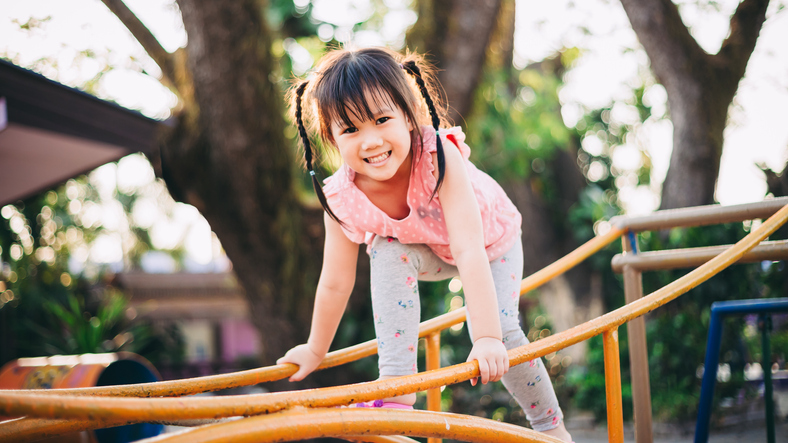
x=466, y=241
x=333, y=291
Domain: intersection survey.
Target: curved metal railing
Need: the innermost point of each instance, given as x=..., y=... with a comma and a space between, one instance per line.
x=54, y=412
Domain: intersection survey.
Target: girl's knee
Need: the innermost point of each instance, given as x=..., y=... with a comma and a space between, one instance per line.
x=514, y=338
x=389, y=251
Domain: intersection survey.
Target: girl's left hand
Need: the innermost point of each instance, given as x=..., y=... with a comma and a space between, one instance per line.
x=303, y=356
x=492, y=357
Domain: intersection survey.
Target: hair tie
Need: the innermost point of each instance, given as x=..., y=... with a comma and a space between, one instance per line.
x=312, y=173
x=401, y=66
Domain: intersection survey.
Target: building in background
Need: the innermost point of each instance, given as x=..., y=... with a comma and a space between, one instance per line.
x=210, y=311
x=50, y=133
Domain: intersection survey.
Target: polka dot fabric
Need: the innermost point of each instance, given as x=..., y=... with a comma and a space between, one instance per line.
x=425, y=223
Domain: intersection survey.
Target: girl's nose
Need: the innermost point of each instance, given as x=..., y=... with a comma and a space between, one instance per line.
x=372, y=141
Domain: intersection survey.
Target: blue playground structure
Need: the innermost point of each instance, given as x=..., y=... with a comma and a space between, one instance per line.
x=761, y=307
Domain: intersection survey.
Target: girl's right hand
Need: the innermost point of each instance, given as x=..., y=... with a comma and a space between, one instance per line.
x=306, y=359
x=492, y=357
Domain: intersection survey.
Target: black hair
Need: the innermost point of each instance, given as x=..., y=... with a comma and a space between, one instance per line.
x=308, y=153
x=413, y=69
x=347, y=79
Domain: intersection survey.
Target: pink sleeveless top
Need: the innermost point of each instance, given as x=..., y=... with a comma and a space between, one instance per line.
x=425, y=224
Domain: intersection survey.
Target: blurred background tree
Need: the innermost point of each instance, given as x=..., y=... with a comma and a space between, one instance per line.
x=54, y=299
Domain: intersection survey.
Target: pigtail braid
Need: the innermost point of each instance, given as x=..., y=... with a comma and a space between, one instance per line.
x=308, y=153
x=413, y=69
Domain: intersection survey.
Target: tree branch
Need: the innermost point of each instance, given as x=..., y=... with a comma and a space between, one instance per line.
x=664, y=36
x=745, y=25
x=143, y=35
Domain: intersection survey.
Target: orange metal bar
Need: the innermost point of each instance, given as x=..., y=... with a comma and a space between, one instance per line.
x=379, y=439
x=615, y=411
x=570, y=260
x=30, y=430
x=21, y=430
x=16, y=403
x=196, y=385
x=304, y=424
x=175, y=388
x=534, y=280
x=433, y=362
x=652, y=301
x=19, y=403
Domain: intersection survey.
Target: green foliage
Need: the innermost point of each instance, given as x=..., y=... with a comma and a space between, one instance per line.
x=45, y=307
x=512, y=135
x=106, y=324
x=586, y=384
x=516, y=131
x=677, y=332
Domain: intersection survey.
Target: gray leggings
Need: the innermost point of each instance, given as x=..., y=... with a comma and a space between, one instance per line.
x=395, y=271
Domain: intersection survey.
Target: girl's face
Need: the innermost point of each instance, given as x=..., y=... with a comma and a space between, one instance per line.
x=379, y=148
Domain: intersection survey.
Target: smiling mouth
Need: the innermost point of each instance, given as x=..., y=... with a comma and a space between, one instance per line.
x=378, y=158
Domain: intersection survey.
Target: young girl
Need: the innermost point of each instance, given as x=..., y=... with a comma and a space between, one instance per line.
x=426, y=213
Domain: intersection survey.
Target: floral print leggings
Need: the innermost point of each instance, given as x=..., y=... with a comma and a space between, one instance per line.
x=395, y=271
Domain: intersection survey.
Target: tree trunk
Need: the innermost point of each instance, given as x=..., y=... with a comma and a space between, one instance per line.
x=777, y=183
x=700, y=89
x=455, y=34
x=227, y=156
x=575, y=297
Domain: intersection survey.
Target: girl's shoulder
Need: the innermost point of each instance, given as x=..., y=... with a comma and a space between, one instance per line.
x=449, y=137
x=341, y=196
x=337, y=182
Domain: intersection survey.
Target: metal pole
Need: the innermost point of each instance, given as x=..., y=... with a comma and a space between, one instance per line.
x=694, y=257
x=615, y=411
x=765, y=324
x=709, y=375
x=700, y=215
x=638, y=352
x=433, y=351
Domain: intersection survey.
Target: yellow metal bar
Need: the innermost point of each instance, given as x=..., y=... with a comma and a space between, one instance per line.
x=196, y=385
x=534, y=280
x=638, y=352
x=22, y=430
x=175, y=388
x=380, y=439
x=652, y=301
x=570, y=260
x=433, y=362
x=42, y=405
x=615, y=412
x=15, y=403
x=30, y=430
x=302, y=424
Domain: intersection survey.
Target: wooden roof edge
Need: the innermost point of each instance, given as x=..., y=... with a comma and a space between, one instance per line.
x=36, y=101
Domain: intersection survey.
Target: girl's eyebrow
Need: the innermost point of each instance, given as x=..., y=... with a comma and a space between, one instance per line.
x=383, y=110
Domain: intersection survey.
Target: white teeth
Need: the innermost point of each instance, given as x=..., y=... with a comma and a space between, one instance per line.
x=378, y=158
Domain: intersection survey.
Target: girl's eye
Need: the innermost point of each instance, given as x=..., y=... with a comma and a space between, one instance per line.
x=349, y=130
x=382, y=120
